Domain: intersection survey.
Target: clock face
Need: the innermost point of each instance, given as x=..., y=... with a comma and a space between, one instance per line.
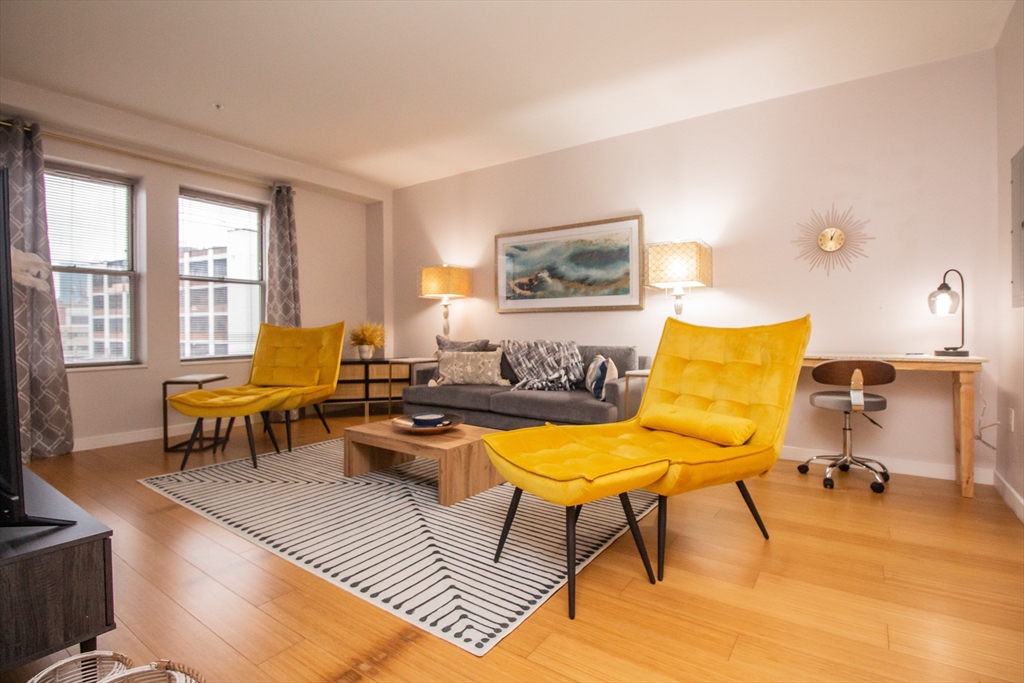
x=831, y=239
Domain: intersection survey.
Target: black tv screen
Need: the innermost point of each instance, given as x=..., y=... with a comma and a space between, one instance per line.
x=12, y=504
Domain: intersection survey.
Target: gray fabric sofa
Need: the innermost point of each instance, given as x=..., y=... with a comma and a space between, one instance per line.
x=498, y=407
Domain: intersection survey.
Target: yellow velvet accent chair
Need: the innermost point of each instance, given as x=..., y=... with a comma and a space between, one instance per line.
x=724, y=384
x=305, y=360
x=292, y=367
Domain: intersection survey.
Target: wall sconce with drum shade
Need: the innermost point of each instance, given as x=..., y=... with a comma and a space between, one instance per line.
x=445, y=283
x=944, y=301
x=676, y=266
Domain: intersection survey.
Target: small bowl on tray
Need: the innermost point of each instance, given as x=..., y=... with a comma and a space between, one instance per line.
x=435, y=425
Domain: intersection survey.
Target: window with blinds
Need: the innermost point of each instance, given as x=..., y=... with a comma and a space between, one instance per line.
x=90, y=220
x=220, y=271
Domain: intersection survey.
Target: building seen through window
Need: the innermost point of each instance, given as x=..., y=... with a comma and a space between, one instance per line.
x=89, y=220
x=220, y=289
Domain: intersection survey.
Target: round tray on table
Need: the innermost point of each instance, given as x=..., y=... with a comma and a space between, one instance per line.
x=404, y=423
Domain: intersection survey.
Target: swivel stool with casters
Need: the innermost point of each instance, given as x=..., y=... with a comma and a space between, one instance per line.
x=855, y=374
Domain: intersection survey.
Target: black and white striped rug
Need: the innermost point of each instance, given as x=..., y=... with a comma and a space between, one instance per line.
x=383, y=536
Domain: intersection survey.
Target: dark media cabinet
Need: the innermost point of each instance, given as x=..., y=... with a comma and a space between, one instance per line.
x=56, y=587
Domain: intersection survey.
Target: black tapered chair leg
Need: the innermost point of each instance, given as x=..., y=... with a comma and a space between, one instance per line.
x=579, y=509
x=270, y=430
x=320, y=414
x=288, y=428
x=252, y=441
x=216, y=434
x=227, y=436
x=750, y=504
x=627, y=507
x=662, y=524
x=570, y=557
x=512, y=506
x=191, y=442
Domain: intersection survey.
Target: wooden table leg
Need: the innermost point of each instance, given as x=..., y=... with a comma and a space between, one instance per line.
x=963, y=430
x=361, y=458
x=464, y=472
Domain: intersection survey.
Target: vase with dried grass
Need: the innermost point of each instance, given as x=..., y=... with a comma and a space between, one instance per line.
x=366, y=337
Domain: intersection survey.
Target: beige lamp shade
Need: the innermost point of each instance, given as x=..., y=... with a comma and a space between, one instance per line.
x=674, y=265
x=438, y=282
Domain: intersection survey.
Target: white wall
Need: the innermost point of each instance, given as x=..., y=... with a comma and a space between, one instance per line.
x=912, y=151
x=1010, y=97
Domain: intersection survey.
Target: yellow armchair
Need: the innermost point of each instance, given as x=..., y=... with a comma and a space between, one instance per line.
x=705, y=383
x=292, y=367
x=304, y=360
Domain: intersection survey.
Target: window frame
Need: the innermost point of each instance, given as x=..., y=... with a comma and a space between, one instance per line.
x=134, y=312
x=261, y=283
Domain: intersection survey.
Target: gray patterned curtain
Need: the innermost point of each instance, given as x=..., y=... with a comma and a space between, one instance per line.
x=43, y=401
x=283, y=261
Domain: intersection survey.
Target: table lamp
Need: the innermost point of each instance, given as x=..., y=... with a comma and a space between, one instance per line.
x=444, y=282
x=944, y=301
x=675, y=266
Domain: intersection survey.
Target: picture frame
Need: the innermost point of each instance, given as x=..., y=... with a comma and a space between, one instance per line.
x=592, y=266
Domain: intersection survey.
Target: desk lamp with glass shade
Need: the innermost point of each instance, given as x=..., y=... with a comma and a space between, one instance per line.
x=677, y=266
x=444, y=282
x=944, y=301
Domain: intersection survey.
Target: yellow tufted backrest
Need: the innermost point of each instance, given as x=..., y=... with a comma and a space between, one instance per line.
x=297, y=356
x=748, y=372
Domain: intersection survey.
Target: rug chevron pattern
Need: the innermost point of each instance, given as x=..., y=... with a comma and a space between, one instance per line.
x=383, y=537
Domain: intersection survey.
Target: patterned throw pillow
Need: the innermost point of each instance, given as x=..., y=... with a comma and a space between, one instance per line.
x=601, y=371
x=445, y=344
x=470, y=367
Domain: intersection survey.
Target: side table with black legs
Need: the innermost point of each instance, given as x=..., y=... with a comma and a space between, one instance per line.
x=198, y=381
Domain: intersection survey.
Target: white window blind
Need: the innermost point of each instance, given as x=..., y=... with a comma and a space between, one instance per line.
x=220, y=250
x=90, y=227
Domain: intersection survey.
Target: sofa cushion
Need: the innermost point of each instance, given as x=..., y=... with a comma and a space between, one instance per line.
x=572, y=407
x=471, y=396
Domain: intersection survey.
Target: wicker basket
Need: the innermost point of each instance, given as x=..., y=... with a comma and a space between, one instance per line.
x=157, y=672
x=89, y=667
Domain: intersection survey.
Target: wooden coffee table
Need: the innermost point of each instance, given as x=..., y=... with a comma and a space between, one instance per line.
x=463, y=468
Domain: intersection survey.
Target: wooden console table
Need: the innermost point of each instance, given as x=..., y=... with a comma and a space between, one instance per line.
x=56, y=585
x=962, y=369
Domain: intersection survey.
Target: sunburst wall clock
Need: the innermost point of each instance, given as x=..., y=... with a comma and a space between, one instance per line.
x=831, y=240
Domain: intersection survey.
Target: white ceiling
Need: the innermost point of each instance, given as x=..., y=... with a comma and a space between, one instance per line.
x=405, y=92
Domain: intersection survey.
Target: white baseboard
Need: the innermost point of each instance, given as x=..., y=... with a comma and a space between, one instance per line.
x=102, y=441
x=1011, y=496
x=932, y=470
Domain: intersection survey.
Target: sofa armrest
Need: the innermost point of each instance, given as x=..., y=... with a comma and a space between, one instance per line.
x=615, y=393
x=643, y=363
x=423, y=373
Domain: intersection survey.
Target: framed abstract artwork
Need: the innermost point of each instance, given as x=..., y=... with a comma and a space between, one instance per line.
x=592, y=266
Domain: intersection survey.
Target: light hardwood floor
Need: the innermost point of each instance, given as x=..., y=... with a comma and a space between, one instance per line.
x=917, y=584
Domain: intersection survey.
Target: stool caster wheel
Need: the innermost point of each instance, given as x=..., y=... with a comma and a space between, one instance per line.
x=876, y=487
x=844, y=468
x=803, y=469
x=885, y=476
x=828, y=483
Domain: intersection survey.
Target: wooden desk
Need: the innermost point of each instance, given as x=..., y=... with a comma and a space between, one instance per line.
x=962, y=369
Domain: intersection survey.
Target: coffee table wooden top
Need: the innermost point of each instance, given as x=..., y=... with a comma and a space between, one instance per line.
x=382, y=435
